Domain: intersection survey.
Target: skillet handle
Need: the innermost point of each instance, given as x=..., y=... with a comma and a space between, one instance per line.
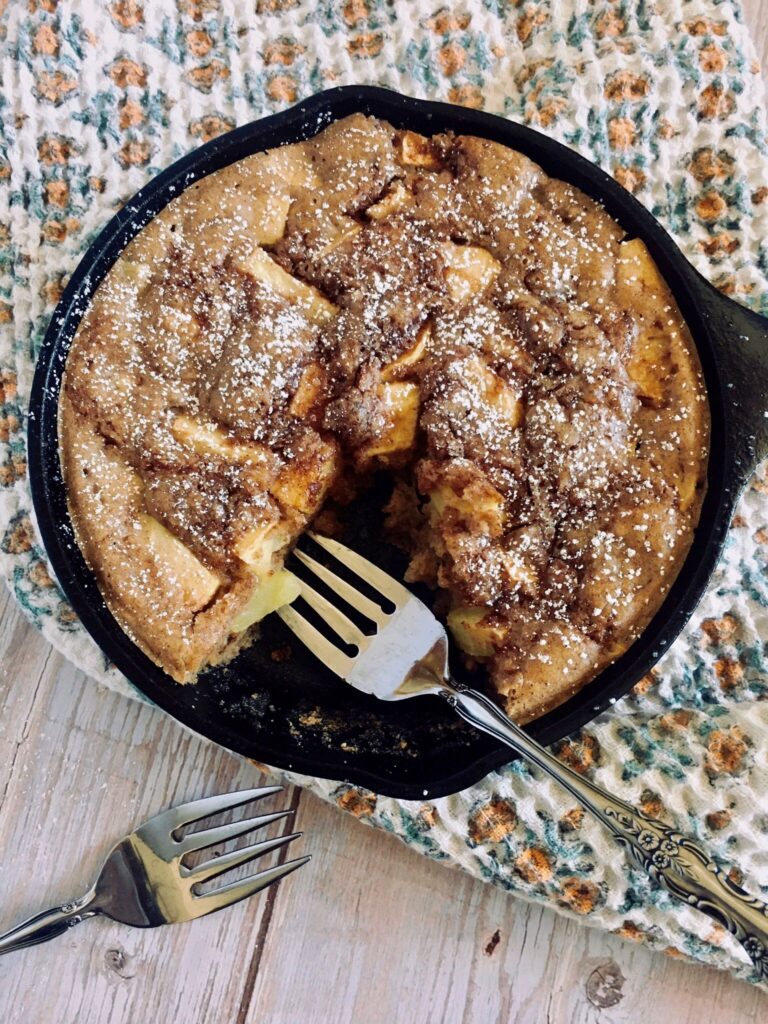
x=741, y=353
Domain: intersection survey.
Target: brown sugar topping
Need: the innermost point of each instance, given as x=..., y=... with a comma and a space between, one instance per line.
x=372, y=299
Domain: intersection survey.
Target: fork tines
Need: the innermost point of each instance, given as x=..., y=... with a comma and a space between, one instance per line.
x=189, y=813
x=347, y=631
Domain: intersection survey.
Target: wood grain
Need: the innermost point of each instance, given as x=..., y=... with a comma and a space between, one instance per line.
x=368, y=933
x=401, y=939
x=79, y=768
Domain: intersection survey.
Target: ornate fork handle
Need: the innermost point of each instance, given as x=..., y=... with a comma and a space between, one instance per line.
x=671, y=858
x=49, y=924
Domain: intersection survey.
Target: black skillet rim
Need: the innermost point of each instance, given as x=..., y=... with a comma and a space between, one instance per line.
x=303, y=120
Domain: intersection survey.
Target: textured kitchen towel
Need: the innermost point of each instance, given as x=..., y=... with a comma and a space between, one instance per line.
x=666, y=95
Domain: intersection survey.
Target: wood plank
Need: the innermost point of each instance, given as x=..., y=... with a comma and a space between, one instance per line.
x=379, y=934
x=81, y=766
x=366, y=931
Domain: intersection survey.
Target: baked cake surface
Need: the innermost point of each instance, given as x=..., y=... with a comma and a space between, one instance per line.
x=370, y=299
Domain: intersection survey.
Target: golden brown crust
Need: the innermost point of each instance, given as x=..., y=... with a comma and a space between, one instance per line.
x=177, y=612
x=374, y=299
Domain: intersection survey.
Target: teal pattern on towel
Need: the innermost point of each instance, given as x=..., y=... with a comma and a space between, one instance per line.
x=667, y=96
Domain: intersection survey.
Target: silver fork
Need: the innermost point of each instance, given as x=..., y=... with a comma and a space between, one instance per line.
x=145, y=883
x=407, y=656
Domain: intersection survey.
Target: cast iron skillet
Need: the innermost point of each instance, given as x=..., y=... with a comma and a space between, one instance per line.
x=291, y=713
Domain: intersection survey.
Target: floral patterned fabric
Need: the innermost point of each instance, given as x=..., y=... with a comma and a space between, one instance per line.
x=97, y=97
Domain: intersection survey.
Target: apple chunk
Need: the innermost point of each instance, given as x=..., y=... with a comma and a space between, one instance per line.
x=207, y=438
x=476, y=501
x=175, y=560
x=469, y=270
x=647, y=365
x=400, y=400
x=413, y=150
x=395, y=199
x=411, y=356
x=262, y=268
x=637, y=270
x=278, y=590
x=259, y=546
x=474, y=631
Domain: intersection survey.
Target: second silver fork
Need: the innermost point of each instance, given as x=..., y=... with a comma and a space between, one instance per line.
x=144, y=881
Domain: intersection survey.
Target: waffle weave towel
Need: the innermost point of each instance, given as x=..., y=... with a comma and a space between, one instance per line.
x=98, y=96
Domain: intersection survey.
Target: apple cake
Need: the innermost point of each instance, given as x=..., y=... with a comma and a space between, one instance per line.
x=374, y=300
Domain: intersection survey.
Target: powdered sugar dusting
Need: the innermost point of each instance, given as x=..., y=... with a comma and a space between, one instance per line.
x=441, y=308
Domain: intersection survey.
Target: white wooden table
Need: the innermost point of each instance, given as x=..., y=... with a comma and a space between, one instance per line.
x=368, y=933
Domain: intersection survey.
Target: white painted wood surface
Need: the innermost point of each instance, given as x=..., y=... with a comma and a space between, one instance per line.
x=368, y=933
